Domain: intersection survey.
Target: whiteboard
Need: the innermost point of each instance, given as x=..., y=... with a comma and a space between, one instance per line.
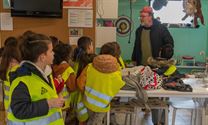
x=104, y=35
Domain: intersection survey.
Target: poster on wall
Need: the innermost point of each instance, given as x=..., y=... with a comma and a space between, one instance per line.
x=85, y=4
x=74, y=35
x=80, y=18
x=6, y=21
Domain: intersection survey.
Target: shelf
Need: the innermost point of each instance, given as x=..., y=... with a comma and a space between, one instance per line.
x=191, y=67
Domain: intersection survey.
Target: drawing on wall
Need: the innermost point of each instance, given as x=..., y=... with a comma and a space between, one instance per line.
x=78, y=4
x=76, y=32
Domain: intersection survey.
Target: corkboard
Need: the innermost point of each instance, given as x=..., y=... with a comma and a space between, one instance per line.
x=47, y=26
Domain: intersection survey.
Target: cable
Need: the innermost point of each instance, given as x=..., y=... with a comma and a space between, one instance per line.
x=131, y=21
x=99, y=8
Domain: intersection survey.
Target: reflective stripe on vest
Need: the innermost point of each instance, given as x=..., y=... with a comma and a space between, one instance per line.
x=6, y=97
x=6, y=94
x=6, y=87
x=98, y=94
x=94, y=102
x=43, y=121
x=81, y=109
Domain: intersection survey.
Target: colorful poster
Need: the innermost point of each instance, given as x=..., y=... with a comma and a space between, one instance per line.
x=78, y=4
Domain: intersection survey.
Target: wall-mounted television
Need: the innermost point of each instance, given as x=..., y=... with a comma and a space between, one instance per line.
x=37, y=8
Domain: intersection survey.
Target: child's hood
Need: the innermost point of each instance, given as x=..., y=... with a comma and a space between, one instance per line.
x=105, y=63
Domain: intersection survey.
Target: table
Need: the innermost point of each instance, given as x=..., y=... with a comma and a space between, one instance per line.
x=199, y=93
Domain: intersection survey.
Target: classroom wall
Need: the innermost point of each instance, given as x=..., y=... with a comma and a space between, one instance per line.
x=48, y=26
x=187, y=41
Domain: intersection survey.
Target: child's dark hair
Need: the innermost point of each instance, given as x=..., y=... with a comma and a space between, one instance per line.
x=11, y=41
x=84, y=61
x=55, y=41
x=82, y=45
x=33, y=46
x=10, y=52
x=62, y=52
x=1, y=51
x=111, y=48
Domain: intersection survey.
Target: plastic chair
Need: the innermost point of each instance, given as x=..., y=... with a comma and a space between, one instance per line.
x=187, y=104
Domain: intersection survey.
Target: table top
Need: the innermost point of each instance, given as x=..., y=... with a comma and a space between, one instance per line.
x=199, y=91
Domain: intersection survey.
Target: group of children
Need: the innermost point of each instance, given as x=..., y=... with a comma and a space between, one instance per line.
x=44, y=77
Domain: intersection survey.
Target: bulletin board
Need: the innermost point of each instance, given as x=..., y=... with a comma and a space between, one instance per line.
x=49, y=26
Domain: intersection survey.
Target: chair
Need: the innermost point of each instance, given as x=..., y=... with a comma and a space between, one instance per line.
x=188, y=59
x=187, y=104
x=123, y=107
x=132, y=109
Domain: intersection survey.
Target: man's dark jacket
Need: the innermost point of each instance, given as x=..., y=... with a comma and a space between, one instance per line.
x=159, y=36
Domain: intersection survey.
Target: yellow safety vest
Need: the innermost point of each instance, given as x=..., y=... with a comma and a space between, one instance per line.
x=81, y=110
x=7, y=86
x=75, y=67
x=100, y=88
x=38, y=90
x=65, y=75
x=122, y=62
x=170, y=70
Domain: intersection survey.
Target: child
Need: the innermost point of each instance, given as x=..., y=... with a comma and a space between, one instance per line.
x=55, y=41
x=81, y=58
x=84, y=47
x=62, y=68
x=9, y=63
x=32, y=96
x=113, y=49
x=101, y=81
x=120, y=60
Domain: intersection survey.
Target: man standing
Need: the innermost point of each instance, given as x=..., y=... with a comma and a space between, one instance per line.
x=151, y=37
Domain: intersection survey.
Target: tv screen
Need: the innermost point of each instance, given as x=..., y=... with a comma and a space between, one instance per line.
x=171, y=12
x=37, y=8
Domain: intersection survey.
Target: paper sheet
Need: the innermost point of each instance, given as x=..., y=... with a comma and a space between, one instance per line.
x=80, y=18
x=6, y=21
x=73, y=40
